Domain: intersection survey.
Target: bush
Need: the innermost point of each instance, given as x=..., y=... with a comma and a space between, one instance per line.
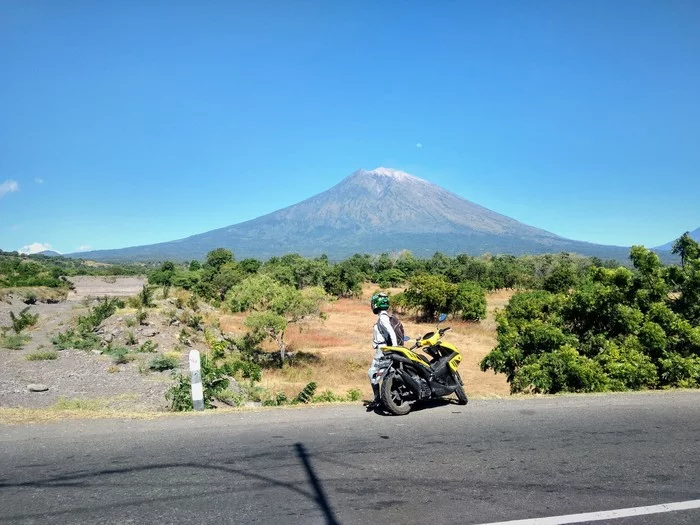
x=562, y=370
x=470, y=301
x=43, y=356
x=23, y=320
x=77, y=340
x=679, y=371
x=97, y=314
x=307, y=394
x=354, y=394
x=161, y=363
x=327, y=396
x=120, y=355
x=148, y=347
x=279, y=399
x=141, y=316
x=627, y=366
x=14, y=341
x=617, y=329
x=215, y=381
x=131, y=339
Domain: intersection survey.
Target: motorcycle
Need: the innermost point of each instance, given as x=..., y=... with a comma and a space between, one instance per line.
x=408, y=377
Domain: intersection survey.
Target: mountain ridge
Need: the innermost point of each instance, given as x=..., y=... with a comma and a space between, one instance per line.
x=370, y=211
x=695, y=235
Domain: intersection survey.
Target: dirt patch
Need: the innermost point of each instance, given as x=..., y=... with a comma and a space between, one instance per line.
x=76, y=374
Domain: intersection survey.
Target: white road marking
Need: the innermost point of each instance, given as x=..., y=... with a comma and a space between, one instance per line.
x=604, y=515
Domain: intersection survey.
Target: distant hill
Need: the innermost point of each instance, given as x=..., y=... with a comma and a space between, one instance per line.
x=49, y=253
x=382, y=210
x=695, y=235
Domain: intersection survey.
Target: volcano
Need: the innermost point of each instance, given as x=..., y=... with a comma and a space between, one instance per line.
x=375, y=211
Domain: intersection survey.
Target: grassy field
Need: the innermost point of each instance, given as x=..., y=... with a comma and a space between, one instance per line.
x=343, y=344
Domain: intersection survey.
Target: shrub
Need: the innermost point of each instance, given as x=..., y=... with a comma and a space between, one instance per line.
x=279, y=399
x=679, y=371
x=326, y=396
x=120, y=355
x=131, y=339
x=23, y=320
x=43, y=356
x=307, y=394
x=146, y=296
x=97, y=314
x=161, y=363
x=194, y=321
x=354, y=394
x=562, y=370
x=470, y=301
x=627, y=366
x=148, y=347
x=14, y=341
x=76, y=340
x=141, y=316
x=214, y=383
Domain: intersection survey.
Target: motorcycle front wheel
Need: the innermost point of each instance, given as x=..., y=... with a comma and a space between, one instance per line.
x=395, y=395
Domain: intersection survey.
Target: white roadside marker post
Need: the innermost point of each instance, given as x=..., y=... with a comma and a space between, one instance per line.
x=196, y=380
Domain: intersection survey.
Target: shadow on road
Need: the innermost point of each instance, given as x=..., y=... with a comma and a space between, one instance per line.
x=85, y=479
x=420, y=405
x=321, y=498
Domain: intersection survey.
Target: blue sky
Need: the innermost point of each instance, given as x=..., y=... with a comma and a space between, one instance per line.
x=126, y=123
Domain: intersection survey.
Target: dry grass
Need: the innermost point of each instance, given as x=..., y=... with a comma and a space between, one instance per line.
x=343, y=345
x=41, y=293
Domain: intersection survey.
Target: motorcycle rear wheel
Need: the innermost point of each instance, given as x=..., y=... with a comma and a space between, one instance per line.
x=393, y=394
x=462, y=398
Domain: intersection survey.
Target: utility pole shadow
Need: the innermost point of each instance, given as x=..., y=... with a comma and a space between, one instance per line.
x=321, y=497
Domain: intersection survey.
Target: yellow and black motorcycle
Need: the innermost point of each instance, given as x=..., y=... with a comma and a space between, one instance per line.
x=408, y=376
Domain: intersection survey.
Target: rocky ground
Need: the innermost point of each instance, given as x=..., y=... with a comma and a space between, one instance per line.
x=91, y=376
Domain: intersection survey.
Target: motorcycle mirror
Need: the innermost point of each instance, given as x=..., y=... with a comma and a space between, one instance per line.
x=442, y=317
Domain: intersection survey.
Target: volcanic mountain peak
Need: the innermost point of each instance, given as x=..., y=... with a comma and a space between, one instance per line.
x=387, y=172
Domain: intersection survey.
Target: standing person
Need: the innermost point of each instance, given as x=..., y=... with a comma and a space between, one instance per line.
x=384, y=335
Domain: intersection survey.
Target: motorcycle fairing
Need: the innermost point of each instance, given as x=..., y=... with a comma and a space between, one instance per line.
x=416, y=358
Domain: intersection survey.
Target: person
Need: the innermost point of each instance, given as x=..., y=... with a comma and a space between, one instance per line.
x=384, y=335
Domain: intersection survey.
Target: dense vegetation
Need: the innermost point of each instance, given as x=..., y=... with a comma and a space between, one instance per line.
x=41, y=270
x=616, y=329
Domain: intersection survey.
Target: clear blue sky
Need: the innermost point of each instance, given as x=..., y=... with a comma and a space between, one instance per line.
x=129, y=122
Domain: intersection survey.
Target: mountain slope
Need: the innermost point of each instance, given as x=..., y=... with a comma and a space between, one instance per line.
x=381, y=210
x=695, y=235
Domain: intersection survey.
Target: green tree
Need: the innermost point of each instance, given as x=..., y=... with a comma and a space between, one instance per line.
x=430, y=295
x=470, y=301
x=275, y=306
x=686, y=247
x=218, y=257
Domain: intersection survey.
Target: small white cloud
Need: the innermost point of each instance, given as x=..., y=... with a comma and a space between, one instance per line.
x=35, y=248
x=83, y=248
x=8, y=187
x=39, y=180
x=419, y=145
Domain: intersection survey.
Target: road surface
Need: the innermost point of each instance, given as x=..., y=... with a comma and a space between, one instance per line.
x=491, y=461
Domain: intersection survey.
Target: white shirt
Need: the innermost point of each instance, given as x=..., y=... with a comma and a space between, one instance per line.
x=379, y=339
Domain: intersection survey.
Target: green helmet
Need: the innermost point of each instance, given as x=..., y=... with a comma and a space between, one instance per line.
x=379, y=301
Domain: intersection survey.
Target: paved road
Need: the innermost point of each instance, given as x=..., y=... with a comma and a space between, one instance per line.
x=490, y=461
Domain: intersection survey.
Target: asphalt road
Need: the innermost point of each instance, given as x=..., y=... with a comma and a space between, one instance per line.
x=490, y=461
